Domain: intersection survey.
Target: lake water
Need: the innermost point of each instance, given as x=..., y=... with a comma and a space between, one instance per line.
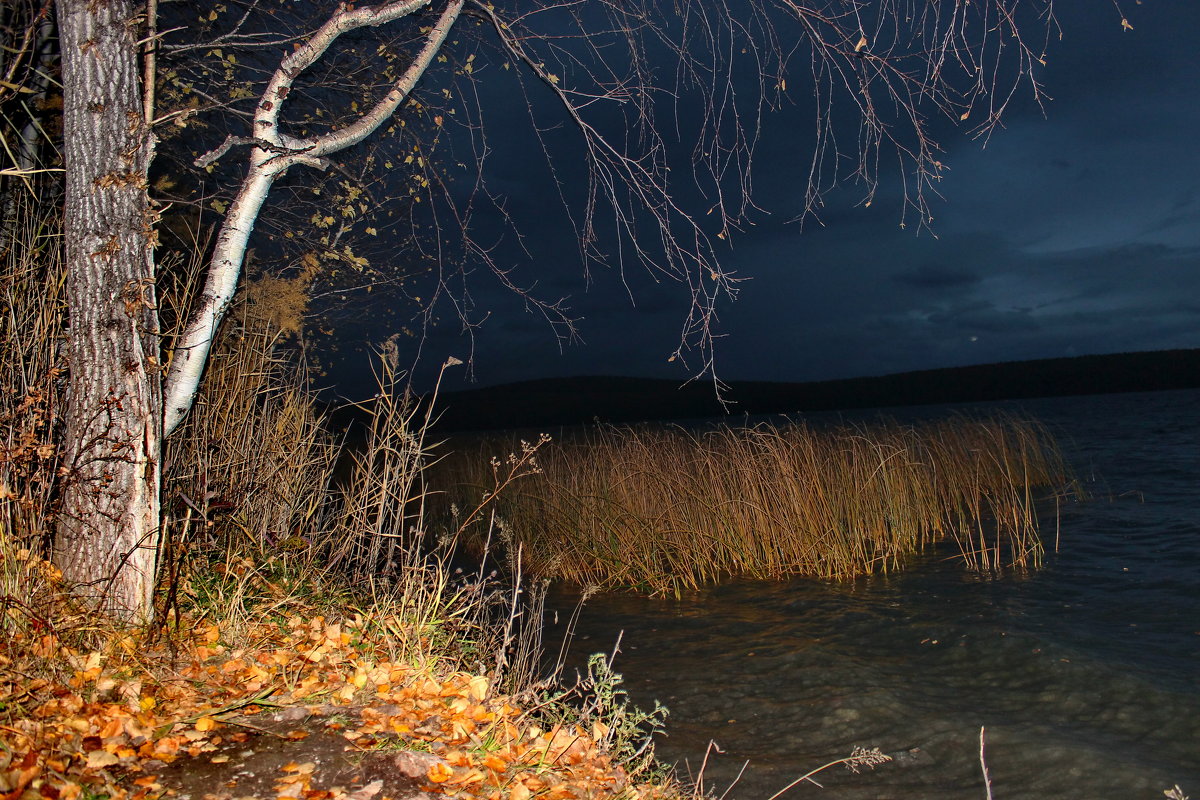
x=1086, y=673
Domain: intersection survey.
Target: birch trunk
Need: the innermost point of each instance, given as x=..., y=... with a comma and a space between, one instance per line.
x=273, y=153
x=107, y=532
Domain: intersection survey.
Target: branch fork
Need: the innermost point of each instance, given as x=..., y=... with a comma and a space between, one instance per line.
x=272, y=153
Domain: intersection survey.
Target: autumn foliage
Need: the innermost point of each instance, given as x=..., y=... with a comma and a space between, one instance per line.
x=120, y=720
x=316, y=628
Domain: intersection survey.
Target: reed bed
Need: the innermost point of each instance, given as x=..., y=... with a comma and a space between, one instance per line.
x=253, y=461
x=665, y=508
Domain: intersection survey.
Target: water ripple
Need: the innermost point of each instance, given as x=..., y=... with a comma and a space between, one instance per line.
x=1084, y=673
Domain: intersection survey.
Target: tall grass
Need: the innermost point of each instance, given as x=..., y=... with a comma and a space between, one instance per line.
x=254, y=457
x=664, y=508
x=31, y=325
x=253, y=524
x=257, y=526
x=31, y=392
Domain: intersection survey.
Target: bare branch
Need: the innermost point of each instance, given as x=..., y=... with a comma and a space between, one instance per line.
x=274, y=152
x=884, y=77
x=365, y=125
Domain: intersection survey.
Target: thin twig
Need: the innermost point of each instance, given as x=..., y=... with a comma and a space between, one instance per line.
x=987, y=780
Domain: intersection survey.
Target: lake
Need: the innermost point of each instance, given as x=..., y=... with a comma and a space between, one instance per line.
x=1086, y=673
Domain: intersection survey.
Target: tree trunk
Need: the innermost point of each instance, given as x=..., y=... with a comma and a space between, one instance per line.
x=274, y=155
x=107, y=532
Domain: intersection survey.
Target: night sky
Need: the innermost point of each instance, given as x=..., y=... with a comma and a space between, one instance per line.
x=1073, y=233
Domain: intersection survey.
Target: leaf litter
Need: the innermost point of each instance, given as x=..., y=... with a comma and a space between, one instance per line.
x=306, y=709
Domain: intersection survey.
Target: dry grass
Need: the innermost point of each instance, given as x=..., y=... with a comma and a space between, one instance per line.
x=31, y=322
x=257, y=526
x=254, y=459
x=662, y=509
x=253, y=527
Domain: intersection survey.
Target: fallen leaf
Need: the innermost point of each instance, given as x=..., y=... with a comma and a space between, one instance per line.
x=367, y=792
x=468, y=776
x=19, y=780
x=113, y=728
x=477, y=688
x=99, y=759
x=439, y=773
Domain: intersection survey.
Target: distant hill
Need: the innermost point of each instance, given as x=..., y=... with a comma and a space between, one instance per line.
x=553, y=402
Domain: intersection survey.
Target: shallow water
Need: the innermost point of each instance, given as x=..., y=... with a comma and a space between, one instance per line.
x=1084, y=673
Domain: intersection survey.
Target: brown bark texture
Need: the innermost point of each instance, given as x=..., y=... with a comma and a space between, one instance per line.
x=107, y=532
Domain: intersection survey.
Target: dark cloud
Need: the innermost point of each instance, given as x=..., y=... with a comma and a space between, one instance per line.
x=979, y=316
x=1073, y=230
x=934, y=276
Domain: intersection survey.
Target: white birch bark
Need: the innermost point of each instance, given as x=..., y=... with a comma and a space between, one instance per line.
x=274, y=152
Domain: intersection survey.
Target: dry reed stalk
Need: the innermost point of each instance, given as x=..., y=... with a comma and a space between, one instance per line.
x=31, y=327
x=377, y=536
x=380, y=527
x=253, y=460
x=665, y=509
x=38, y=615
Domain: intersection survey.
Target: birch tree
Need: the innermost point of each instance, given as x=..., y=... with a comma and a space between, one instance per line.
x=606, y=69
x=272, y=153
x=876, y=76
